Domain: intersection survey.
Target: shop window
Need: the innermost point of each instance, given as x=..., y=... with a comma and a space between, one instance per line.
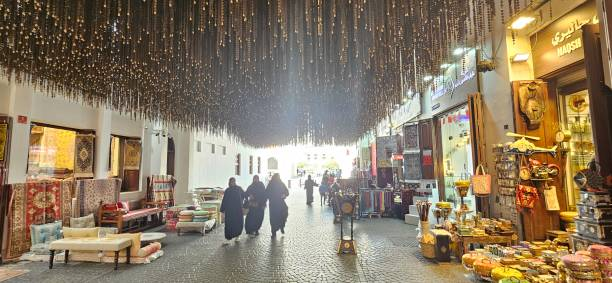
x=308, y=156
x=224, y=150
x=323, y=156
x=315, y=156
x=212, y=148
x=237, y=164
x=258, y=165
x=251, y=165
x=272, y=163
x=59, y=153
x=125, y=158
x=199, y=146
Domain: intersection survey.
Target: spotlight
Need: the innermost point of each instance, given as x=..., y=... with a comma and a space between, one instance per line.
x=427, y=78
x=459, y=51
x=445, y=66
x=520, y=57
x=521, y=22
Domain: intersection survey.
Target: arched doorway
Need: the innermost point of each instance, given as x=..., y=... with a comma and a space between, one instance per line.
x=170, y=157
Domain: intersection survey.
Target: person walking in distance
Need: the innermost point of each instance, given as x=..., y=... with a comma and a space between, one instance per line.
x=256, y=202
x=279, y=211
x=324, y=187
x=309, y=186
x=231, y=206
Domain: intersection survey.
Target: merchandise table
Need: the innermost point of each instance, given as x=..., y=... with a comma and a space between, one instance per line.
x=484, y=240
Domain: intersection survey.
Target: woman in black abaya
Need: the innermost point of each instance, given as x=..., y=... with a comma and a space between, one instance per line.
x=256, y=202
x=277, y=192
x=231, y=206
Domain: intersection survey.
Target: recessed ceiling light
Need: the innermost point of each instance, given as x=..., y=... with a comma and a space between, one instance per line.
x=427, y=78
x=520, y=57
x=459, y=51
x=405, y=100
x=521, y=22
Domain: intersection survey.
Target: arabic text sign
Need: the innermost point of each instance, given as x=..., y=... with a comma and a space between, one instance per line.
x=560, y=44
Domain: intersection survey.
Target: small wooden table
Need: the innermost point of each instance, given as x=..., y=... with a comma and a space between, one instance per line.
x=497, y=239
x=90, y=244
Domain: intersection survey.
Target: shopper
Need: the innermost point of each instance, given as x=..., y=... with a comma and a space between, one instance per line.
x=256, y=202
x=231, y=206
x=309, y=186
x=277, y=192
x=324, y=187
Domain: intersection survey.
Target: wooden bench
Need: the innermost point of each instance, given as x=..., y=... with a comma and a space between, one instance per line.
x=90, y=244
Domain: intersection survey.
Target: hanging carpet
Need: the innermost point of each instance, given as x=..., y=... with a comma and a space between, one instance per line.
x=91, y=192
x=84, y=156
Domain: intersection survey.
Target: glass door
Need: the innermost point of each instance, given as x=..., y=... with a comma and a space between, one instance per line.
x=457, y=153
x=576, y=120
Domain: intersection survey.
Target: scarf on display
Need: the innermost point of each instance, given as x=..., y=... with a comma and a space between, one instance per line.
x=91, y=193
x=32, y=204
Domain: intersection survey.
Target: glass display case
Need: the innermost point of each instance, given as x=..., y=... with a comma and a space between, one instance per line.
x=576, y=119
x=457, y=153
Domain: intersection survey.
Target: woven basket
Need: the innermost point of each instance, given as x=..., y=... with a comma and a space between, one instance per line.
x=428, y=250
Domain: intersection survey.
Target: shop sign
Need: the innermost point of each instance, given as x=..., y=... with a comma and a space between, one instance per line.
x=453, y=87
x=560, y=44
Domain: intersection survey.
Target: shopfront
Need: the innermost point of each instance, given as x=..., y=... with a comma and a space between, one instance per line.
x=454, y=124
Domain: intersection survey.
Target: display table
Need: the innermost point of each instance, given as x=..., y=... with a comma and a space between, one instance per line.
x=484, y=240
x=152, y=237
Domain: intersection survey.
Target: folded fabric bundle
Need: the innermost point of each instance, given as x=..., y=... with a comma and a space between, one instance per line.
x=200, y=218
x=186, y=212
x=201, y=213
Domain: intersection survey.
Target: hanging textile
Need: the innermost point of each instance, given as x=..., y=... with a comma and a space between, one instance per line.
x=84, y=156
x=31, y=204
x=161, y=188
x=91, y=192
x=3, y=141
x=131, y=155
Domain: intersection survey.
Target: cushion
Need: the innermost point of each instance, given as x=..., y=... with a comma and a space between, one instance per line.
x=149, y=249
x=124, y=205
x=201, y=213
x=45, y=233
x=186, y=212
x=83, y=222
x=40, y=249
x=139, y=213
x=81, y=232
x=90, y=244
x=135, y=237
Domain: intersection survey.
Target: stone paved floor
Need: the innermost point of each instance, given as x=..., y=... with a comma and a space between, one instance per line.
x=387, y=252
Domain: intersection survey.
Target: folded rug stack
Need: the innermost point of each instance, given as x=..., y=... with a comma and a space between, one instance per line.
x=200, y=216
x=186, y=216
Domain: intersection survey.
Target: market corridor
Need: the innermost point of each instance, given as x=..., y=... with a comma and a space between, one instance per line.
x=387, y=252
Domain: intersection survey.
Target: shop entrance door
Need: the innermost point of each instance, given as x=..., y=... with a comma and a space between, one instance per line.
x=457, y=159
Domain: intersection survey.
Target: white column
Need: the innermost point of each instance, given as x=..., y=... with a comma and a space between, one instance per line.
x=103, y=137
x=20, y=104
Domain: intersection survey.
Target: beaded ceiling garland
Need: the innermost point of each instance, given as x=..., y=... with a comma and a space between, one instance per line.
x=267, y=71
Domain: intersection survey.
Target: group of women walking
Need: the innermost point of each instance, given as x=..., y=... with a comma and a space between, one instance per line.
x=236, y=202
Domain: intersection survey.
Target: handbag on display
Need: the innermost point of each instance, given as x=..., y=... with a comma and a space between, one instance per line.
x=524, y=170
x=481, y=181
x=550, y=197
x=526, y=196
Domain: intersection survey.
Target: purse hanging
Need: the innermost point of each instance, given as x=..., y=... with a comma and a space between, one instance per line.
x=526, y=196
x=550, y=197
x=524, y=170
x=481, y=182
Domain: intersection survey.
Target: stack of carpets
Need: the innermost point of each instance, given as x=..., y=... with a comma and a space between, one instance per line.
x=90, y=193
x=186, y=216
x=200, y=216
x=34, y=203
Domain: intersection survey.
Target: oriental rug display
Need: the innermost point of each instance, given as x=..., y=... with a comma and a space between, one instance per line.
x=91, y=193
x=161, y=188
x=3, y=140
x=6, y=274
x=131, y=157
x=84, y=156
x=34, y=203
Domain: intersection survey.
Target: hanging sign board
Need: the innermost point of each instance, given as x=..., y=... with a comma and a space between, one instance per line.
x=458, y=81
x=560, y=43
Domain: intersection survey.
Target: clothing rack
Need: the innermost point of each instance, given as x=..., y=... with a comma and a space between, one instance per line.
x=375, y=202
